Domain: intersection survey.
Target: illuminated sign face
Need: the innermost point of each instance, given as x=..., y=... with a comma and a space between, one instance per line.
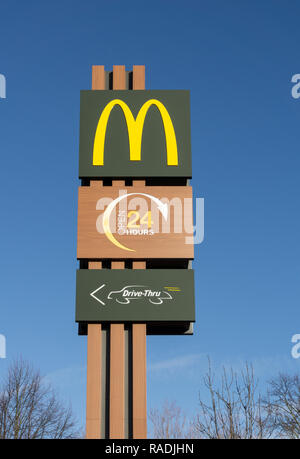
x=135, y=222
x=134, y=134
x=135, y=295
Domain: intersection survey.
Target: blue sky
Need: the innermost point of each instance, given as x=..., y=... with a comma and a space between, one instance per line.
x=237, y=58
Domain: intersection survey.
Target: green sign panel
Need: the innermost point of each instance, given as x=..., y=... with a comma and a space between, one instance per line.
x=135, y=295
x=135, y=134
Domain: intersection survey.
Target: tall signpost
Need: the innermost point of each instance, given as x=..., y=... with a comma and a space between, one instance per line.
x=135, y=225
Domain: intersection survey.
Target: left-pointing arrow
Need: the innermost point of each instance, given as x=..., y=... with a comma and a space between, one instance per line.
x=96, y=291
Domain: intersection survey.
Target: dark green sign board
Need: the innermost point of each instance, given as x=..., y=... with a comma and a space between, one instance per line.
x=135, y=295
x=135, y=134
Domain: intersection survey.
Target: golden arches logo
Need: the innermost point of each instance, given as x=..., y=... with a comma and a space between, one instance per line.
x=135, y=131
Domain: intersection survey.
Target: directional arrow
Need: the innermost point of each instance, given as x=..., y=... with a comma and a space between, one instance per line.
x=95, y=291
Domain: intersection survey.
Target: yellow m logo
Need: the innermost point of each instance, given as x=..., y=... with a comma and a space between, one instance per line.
x=135, y=131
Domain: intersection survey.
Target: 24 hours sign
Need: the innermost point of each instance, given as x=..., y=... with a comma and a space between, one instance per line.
x=135, y=222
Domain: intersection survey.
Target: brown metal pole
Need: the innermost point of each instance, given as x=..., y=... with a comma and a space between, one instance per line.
x=93, y=395
x=139, y=375
x=117, y=332
x=117, y=375
x=139, y=358
x=94, y=361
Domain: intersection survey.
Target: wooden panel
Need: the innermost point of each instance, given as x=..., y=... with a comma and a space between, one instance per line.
x=139, y=381
x=96, y=183
x=117, y=381
x=118, y=183
x=165, y=238
x=139, y=265
x=94, y=339
x=95, y=264
x=139, y=356
x=98, y=77
x=117, y=265
x=117, y=333
x=138, y=182
x=138, y=77
x=139, y=374
x=119, y=77
x=93, y=398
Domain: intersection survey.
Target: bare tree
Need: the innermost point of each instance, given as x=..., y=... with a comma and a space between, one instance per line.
x=29, y=408
x=170, y=422
x=283, y=405
x=234, y=409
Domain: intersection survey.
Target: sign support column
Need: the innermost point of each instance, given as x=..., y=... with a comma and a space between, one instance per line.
x=116, y=307
x=139, y=362
x=94, y=360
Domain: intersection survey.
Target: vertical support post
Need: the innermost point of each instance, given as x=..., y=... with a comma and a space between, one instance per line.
x=93, y=396
x=138, y=80
x=139, y=357
x=118, y=372
x=98, y=77
x=117, y=375
x=93, y=392
x=119, y=77
x=117, y=332
x=139, y=375
x=94, y=338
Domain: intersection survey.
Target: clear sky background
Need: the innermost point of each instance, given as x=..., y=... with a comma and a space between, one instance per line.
x=237, y=58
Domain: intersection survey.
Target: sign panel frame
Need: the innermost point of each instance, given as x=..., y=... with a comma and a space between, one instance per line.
x=129, y=133
x=134, y=295
x=102, y=236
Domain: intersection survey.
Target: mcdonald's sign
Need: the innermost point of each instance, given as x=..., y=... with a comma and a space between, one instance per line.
x=135, y=222
x=152, y=295
x=135, y=134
